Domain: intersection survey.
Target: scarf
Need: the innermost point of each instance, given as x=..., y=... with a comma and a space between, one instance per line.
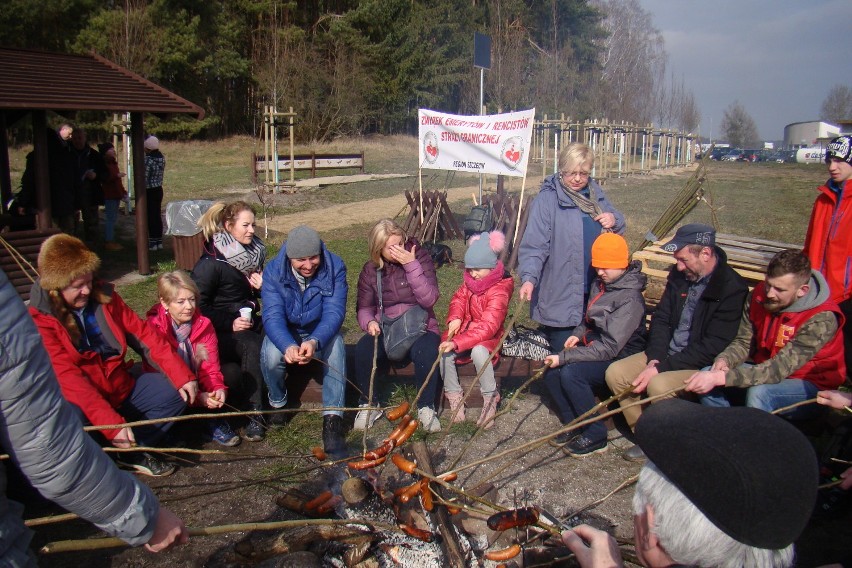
x=588, y=205
x=247, y=259
x=184, y=347
x=300, y=280
x=492, y=278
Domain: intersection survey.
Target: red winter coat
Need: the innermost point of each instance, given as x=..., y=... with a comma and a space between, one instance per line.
x=209, y=371
x=95, y=385
x=481, y=305
x=829, y=240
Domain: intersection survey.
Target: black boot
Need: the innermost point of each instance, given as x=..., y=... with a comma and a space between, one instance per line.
x=332, y=436
x=255, y=430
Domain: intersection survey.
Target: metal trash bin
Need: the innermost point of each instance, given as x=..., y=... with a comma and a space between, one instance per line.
x=182, y=223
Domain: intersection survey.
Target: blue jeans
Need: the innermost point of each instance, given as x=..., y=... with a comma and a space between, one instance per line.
x=153, y=396
x=333, y=379
x=571, y=388
x=771, y=397
x=111, y=211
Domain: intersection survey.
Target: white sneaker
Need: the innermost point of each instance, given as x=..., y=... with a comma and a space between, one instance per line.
x=366, y=418
x=428, y=419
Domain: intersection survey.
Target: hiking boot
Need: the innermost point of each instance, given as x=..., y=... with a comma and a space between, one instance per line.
x=255, y=430
x=278, y=419
x=582, y=446
x=145, y=463
x=634, y=454
x=455, y=400
x=489, y=409
x=333, y=440
x=562, y=439
x=428, y=419
x=221, y=432
x=366, y=418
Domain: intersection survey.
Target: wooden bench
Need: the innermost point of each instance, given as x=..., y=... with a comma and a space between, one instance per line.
x=312, y=162
x=28, y=244
x=747, y=255
x=304, y=386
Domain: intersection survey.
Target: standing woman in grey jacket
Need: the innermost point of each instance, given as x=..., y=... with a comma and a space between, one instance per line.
x=568, y=214
x=46, y=441
x=613, y=328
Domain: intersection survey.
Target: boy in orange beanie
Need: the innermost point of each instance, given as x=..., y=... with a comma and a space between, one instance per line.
x=613, y=327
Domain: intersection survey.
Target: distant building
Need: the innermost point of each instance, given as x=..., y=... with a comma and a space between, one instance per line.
x=809, y=134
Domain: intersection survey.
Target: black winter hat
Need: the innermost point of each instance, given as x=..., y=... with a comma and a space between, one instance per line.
x=752, y=474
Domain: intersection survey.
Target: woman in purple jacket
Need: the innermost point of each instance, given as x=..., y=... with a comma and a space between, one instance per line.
x=408, y=279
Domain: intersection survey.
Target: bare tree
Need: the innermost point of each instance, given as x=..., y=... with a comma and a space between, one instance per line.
x=837, y=105
x=739, y=127
x=632, y=53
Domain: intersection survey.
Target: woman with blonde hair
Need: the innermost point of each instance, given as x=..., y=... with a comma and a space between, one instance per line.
x=554, y=258
x=398, y=278
x=229, y=275
x=192, y=336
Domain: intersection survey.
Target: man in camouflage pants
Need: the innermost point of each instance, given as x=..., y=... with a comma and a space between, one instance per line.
x=790, y=334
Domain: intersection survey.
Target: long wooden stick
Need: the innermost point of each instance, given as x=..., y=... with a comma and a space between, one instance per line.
x=112, y=542
x=565, y=429
x=794, y=405
x=370, y=390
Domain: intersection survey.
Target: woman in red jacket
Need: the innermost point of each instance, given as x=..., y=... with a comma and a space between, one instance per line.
x=86, y=328
x=475, y=324
x=192, y=336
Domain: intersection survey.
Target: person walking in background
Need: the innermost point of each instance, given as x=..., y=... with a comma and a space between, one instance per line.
x=304, y=305
x=155, y=167
x=45, y=440
x=88, y=172
x=828, y=243
x=475, y=324
x=114, y=192
x=229, y=276
x=554, y=258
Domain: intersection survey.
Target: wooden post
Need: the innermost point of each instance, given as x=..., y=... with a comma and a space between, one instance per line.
x=5, y=179
x=42, y=178
x=439, y=514
x=138, y=140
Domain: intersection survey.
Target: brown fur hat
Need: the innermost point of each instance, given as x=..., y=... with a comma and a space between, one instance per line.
x=62, y=259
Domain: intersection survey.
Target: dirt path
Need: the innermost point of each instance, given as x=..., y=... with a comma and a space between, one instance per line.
x=347, y=214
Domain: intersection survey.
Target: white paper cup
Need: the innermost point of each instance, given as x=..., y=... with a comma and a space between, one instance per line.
x=245, y=313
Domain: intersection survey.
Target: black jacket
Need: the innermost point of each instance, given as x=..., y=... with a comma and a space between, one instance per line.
x=224, y=290
x=714, y=322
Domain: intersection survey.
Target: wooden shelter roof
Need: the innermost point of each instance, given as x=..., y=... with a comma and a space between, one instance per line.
x=59, y=82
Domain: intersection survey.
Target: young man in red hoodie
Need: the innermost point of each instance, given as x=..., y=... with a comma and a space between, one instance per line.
x=828, y=243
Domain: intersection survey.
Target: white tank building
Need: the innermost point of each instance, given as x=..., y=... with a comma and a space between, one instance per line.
x=809, y=134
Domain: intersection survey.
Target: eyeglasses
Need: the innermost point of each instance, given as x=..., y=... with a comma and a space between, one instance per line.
x=569, y=175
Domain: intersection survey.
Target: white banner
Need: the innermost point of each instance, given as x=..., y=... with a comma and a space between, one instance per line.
x=492, y=144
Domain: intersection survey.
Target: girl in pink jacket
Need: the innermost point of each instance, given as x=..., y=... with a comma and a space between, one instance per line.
x=192, y=336
x=475, y=324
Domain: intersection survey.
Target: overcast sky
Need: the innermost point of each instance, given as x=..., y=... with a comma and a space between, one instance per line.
x=778, y=58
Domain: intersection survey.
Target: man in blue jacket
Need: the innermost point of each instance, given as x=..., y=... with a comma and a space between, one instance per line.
x=304, y=303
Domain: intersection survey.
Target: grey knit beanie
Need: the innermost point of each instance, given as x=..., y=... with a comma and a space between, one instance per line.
x=482, y=250
x=303, y=242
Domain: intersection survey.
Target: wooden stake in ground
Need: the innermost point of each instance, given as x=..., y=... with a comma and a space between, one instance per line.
x=439, y=514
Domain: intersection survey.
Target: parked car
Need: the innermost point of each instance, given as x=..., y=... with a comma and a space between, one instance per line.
x=733, y=156
x=719, y=153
